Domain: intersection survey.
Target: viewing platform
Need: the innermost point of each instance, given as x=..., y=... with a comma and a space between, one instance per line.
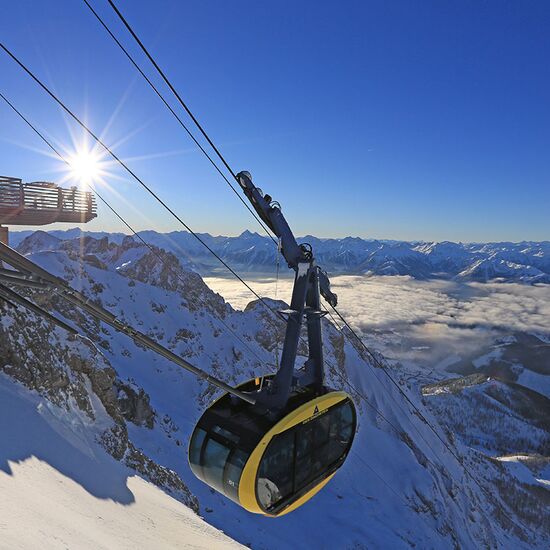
x=42, y=203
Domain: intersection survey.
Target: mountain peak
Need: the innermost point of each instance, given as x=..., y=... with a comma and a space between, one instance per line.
x=38, y=242
x=246, y=234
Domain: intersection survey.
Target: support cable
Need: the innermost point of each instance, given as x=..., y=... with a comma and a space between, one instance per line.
x=401, y=497
x=173, y=90
x=104, y=201
x=129, y=170
x=373, y=358
x=56, y=151
x=226, y=164
x=181, y=123
x=169, y=84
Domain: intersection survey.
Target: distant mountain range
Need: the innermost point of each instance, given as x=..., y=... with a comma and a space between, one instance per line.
x=524, y=262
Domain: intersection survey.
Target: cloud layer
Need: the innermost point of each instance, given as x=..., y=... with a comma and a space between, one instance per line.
x=420, y=320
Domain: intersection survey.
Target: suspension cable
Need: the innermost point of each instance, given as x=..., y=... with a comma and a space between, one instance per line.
x=385, y=370
x=173, y=90
x=137, y=235
x=126, y=168
x=374, y=359
x=56, y=151
x=48, y=143
x=175, y=115
x=220, y=156
x=396, y=429
x=226, y=164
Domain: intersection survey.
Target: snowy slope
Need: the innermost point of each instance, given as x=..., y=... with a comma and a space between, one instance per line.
x=504, y=417
x=508, y=422
x=399, y=488
x=59, y=489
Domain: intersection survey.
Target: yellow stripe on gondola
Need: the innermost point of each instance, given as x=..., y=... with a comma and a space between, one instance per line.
x=308, y=411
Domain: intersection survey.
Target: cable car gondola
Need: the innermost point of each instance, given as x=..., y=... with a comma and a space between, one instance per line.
x=272, y=463
x=273, y=452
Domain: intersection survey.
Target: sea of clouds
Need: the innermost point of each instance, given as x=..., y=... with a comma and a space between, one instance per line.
x=428, y=322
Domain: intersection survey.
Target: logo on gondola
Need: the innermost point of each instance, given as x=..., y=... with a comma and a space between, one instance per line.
x=316, y=413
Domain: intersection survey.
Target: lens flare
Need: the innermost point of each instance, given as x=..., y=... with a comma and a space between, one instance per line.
x=86, y=167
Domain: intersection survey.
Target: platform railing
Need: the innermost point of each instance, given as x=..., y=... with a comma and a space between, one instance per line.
x=17, y=198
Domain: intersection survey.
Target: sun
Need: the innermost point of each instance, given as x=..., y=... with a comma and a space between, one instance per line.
x=85, y=166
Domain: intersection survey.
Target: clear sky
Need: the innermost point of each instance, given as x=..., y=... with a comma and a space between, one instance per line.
x=403, y=119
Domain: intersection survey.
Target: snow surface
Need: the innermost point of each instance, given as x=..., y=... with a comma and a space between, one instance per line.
x=60, y=490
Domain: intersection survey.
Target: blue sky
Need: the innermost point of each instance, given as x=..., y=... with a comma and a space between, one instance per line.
x=404, y=119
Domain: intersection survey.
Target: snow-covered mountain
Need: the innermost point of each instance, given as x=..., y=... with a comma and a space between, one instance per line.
x=106, y=401
x=524, y=262
x=506, y=421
